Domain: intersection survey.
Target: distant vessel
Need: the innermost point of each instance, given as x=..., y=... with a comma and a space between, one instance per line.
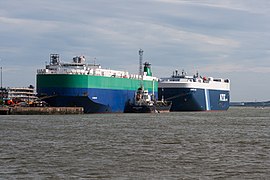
x=144, y=102
x=95, y=89
x=195, y=93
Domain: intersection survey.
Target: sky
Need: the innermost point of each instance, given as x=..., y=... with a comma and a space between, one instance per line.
x=225, y=38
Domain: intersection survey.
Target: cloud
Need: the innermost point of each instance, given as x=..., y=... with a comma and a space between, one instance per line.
x=209, y=36
x=251, y=6
x=235, y=67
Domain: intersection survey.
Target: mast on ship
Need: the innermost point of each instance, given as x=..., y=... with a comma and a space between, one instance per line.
x=140, y=67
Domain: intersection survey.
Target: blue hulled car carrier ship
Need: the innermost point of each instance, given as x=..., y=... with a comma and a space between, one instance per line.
x=195, y=93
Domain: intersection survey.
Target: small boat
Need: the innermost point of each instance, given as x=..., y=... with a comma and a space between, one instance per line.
x=143, y=103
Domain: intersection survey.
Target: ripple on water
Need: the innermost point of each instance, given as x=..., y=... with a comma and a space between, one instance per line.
x=190, y=145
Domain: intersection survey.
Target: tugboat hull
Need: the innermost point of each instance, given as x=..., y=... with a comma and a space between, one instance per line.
x=158, y=107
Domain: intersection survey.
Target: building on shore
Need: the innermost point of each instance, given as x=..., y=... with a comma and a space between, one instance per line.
x=3, y=93
x=19, y=94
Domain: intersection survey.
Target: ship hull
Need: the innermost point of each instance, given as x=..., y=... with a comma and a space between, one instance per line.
x=195, y=99
x=94, y=94
x=155, y=108
x=100, y=100
x=77, y=101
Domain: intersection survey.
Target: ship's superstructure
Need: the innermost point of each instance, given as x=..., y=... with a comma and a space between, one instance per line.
x=195, y=93
x=90, y=86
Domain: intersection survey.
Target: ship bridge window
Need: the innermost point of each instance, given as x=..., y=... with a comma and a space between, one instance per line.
x=217, y=80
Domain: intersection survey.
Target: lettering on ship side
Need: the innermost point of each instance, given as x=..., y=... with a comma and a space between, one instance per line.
x=222, y=97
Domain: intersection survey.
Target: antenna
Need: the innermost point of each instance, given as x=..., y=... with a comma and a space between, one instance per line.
x=2, y=80
x=95, y=61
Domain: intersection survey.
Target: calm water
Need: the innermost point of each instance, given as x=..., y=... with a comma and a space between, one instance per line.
x=187, y=145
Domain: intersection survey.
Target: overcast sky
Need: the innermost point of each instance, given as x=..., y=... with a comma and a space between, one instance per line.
x=225, y=38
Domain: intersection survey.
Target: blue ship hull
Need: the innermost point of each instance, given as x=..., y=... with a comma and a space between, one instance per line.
x=92, y=100
x=189, y=99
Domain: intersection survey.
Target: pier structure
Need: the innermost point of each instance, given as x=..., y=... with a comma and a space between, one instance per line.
x=40, y=110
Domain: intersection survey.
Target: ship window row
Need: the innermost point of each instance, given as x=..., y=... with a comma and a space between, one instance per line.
x=11, y=94
x=204, y=80
x=91, y=72
x=19, y=91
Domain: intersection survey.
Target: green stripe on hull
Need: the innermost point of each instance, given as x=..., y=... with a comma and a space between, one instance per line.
x=88, y=81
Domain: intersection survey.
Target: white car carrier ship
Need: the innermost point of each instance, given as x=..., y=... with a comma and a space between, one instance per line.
x=195, y=93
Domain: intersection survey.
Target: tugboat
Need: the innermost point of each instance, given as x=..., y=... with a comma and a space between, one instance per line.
x=143, y=103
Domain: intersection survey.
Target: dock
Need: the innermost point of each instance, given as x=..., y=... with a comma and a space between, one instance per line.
x=4, y=110
x=40, y=110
